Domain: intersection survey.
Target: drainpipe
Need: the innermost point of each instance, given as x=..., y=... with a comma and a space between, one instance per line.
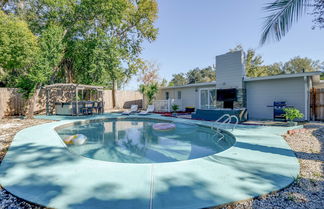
x=306, y=98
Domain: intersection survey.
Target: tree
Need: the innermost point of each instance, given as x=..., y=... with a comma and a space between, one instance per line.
x=149, y=90
x=284, y=13
x=274, y=69
x=103, y=38
x=299, y=65
x=253, y=62
x=18, y=48
x=149, y=73
x=49, y=57
x=178, y=80
x=164, y=83
x=198, y=75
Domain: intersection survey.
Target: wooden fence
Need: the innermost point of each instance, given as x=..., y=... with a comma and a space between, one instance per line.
x=317, y=104
x=12, y=103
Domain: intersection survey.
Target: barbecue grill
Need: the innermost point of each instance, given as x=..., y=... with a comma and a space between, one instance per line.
x=278, y=112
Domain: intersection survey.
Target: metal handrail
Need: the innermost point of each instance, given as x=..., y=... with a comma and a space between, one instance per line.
x=236, y=122
x=227, y=121
x=225, y=115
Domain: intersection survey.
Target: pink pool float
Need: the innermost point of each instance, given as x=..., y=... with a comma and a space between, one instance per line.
x=164, y=126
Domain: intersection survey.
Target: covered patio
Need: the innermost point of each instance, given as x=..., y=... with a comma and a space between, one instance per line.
x=74, y=99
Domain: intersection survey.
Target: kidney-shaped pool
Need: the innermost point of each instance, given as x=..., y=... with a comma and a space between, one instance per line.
x=138, y=140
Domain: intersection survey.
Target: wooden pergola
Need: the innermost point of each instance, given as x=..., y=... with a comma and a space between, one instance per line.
x=69, y=93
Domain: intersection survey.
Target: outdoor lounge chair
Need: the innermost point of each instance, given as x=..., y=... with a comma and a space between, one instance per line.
x=149, y=109
x=133, y=109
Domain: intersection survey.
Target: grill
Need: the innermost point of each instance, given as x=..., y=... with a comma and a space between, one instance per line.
x=278, y=112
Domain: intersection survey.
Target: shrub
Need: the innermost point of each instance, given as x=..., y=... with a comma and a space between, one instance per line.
x=175, y=107
x=149, y=91
x=292, y=113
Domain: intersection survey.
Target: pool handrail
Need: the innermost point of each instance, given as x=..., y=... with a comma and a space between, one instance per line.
x=236, y=122
x=227, y=121
x=225, y=115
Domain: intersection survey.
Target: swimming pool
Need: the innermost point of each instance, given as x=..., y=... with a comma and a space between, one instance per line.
x=40, y=168
x=134, y=140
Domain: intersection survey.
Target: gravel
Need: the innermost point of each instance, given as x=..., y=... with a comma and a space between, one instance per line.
x=306, y=192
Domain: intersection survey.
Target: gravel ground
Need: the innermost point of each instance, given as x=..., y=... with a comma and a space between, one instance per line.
x=306, y=192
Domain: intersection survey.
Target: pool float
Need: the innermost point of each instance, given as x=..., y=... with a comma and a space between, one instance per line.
x=77, y=139
x=164, y=126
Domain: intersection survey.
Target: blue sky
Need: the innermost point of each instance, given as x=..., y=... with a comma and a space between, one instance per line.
x=193, y=32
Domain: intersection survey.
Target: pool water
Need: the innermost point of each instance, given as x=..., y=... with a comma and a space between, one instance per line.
x=135, y=141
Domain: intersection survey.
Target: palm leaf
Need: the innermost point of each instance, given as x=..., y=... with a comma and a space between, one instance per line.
x=283, y=13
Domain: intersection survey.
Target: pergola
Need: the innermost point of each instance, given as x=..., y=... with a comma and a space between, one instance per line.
x=69, y=93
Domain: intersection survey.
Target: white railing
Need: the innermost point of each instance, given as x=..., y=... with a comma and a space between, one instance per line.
x=161, y=105
x=165, y=105
x=177, y=102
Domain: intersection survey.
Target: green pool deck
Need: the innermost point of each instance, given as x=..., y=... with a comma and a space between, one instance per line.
x=39, y=168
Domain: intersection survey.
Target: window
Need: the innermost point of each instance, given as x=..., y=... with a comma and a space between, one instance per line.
x=179, y=94
x=166, y=95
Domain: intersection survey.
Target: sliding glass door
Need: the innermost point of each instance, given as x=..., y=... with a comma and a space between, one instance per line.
x=207, y=98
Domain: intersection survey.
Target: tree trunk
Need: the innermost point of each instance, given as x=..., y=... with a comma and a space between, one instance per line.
x=114, y=93
x=32, y=102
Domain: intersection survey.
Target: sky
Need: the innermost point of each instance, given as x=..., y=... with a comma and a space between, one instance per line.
x=193, y=32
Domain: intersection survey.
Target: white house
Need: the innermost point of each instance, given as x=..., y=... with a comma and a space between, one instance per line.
x=232, y=89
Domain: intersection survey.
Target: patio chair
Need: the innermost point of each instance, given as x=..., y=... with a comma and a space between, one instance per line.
x=149, y=109
x=133, y=109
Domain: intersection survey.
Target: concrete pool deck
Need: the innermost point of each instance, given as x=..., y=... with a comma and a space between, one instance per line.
x=39, y=168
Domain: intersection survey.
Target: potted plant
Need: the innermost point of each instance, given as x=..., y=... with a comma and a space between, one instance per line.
x=174, y=108
x=291, y=114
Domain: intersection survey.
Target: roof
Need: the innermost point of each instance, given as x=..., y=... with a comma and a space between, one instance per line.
x=79, y=86
x=191, y=85
x=282, y=76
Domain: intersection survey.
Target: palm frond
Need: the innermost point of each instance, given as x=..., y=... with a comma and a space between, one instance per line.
x=283, y=13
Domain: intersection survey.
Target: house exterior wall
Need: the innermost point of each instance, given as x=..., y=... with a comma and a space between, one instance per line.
x=260, y=94
x=189, y=95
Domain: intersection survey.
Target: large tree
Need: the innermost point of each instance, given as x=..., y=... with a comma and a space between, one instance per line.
x=149, y=73
x=284, y=13
x=299, y=65
x=253, y=62
x=254, y=65
x=18, y=48
x=48, y=59
x=179, y=79
x=103, y=38
x=198, y=75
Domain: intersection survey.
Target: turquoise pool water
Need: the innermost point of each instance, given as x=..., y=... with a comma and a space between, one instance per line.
x=135, y=141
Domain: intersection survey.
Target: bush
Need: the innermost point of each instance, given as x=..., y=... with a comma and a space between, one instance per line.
x=149, y=91
x=292, y=113
x=175, y=107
